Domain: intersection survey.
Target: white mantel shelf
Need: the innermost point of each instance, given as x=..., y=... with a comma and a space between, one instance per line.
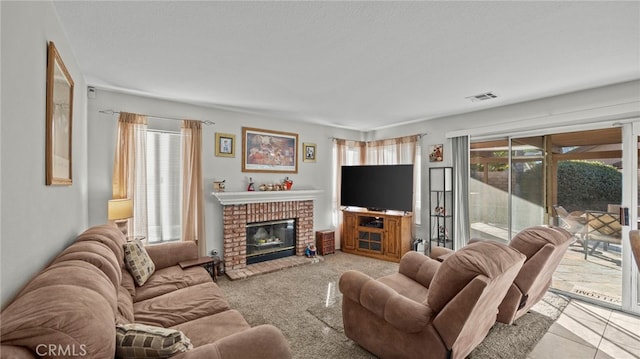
x=230, y=198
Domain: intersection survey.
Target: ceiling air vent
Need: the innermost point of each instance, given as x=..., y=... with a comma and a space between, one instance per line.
x=482, y=97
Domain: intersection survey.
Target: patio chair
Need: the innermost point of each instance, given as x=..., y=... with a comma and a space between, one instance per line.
x=602, y=227
x=573, y=222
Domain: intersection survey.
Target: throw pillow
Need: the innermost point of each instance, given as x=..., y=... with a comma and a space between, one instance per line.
x=138, y=261
x=146, y=341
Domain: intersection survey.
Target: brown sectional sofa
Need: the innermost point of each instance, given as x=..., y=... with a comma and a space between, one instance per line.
x=71, y=307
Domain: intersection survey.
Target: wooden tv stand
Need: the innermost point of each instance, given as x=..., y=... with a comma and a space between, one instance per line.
x=383, y=235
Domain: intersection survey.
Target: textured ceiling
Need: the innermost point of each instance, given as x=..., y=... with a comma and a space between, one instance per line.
x=360, y=65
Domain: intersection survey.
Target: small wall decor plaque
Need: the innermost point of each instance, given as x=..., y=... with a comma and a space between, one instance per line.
x=225, y=145
x=309, y=152
x=435, y=154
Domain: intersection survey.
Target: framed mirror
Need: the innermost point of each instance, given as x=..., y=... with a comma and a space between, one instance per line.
x=59, y=120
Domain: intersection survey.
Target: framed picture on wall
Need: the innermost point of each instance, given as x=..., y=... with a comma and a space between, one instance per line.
x=269, y=151
x=59, y=120
x=435, y=153
x=309, y=152
x=225, y=145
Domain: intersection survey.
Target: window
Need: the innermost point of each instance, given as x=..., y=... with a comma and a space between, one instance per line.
x=164, y=187
x=405, y=150
x=400, y=151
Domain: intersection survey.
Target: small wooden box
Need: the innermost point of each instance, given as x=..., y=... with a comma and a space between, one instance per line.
x=325, y=242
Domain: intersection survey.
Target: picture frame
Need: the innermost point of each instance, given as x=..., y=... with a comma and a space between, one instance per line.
x=225, y=145
x=436, y=154
x=309, y=152
x=59, y=120
x=269, y=151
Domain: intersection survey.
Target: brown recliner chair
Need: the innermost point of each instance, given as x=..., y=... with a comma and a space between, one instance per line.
x=544, y=247
x=429, y=309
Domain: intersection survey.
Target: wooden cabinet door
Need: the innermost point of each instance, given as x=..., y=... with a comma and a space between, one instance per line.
x=392, y=237
x=349, y=230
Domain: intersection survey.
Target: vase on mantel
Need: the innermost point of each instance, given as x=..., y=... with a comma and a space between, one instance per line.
x=288, y=183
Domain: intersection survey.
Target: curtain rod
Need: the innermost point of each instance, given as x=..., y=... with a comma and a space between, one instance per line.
x=112, y=112
x=420, y=135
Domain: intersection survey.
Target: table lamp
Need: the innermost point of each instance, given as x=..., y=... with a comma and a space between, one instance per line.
x=119, y=211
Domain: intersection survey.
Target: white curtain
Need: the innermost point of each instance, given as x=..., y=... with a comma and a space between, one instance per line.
x=130, y=169
x=345, y=153
x=462, y=231
x=395, y=151
x=192, y=191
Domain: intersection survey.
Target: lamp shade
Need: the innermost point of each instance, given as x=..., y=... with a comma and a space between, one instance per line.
x=441, y=178
x=120, y=209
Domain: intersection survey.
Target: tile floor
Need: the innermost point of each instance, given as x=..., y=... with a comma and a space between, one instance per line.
x=586, y=330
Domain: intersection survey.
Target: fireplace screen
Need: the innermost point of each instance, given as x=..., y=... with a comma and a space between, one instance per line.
x=270, y=240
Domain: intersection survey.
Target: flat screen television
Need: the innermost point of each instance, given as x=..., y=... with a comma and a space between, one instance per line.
x=378, y=187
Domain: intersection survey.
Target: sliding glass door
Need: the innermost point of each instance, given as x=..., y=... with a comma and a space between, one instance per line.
x=518, y=182
x=489, y=190
x=527, y=173
x=507, y=186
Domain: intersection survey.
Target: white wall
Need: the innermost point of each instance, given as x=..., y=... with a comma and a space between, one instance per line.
x=102, y=136
x=37, y=221
x=619, y=101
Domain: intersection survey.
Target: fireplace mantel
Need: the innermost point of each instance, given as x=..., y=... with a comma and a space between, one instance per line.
x=231, y=198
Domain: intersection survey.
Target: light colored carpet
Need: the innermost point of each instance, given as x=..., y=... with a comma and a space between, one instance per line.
x=305, y=303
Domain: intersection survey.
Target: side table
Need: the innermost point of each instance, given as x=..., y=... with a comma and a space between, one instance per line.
x=325, y=242
x=209, y=263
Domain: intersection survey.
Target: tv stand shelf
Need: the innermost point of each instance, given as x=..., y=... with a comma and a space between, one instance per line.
x=383, y=235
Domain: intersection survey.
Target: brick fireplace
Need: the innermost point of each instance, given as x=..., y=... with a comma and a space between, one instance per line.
x=242, y=208
x=237, y=216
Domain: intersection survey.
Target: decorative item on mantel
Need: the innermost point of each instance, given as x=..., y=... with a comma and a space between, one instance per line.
x=251, y=186
x=219, y=186
x=287, y=183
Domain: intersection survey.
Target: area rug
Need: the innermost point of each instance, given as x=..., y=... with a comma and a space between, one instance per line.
x=305, y=304
x=519, y=339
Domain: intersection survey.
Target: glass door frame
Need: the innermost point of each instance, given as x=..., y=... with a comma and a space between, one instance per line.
x=630, y=140
x=512, y=205
x=630, y=276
